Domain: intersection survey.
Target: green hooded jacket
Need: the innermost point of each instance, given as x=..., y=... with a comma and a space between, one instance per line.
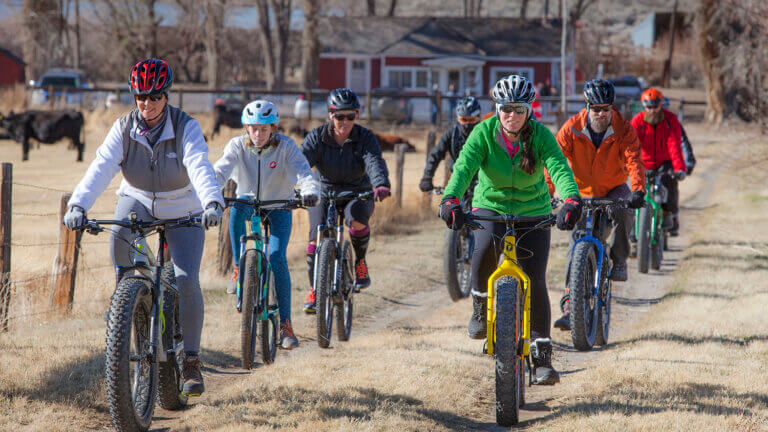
x=502, y=185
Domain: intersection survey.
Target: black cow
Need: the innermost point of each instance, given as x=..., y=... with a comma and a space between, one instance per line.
x=46, y=127
x=228, y=115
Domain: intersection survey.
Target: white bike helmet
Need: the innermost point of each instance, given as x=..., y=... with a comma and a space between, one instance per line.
x=260, y=112
x=513, y=89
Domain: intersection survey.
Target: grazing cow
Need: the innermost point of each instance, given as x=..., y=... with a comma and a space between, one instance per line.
x=387, y=142
x=46, y=127
x=228, y=114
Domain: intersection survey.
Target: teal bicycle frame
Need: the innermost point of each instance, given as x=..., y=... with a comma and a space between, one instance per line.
x=261, y=246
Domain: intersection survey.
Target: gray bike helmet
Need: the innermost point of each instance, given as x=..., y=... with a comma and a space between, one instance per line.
x=513, y=89
x=468, y=106
x=599, y=92
x=342, y=99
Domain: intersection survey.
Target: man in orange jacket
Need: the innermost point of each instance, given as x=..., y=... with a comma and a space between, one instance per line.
x=602, y=148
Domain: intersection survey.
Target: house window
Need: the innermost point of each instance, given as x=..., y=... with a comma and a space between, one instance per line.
x=358, y=64
x=498, y=73
x=408, y=78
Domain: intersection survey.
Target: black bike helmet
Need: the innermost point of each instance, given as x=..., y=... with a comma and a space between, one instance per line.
x=599, y=92
x=513, y=89
x=342, y=99
x=468, y=106
x=151, y=76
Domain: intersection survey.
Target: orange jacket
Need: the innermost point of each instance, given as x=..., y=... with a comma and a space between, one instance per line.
x=598, y=170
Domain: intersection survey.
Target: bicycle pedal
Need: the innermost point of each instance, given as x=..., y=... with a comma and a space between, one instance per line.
x=191, y=395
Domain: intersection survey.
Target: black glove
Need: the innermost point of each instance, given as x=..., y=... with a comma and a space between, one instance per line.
x=426, y=184
x=569, y=213
x=452, y=213
x=689, y=169
x=680, y=175
x=636, y=199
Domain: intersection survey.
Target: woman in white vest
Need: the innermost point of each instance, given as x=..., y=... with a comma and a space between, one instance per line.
x=163, y=157
x=267, y=165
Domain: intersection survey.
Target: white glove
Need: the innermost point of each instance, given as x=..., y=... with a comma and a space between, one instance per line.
x=309, y=200
x=74, y=217
x=212, y=215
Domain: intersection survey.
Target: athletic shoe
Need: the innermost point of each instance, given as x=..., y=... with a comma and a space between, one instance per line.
x=309, y=303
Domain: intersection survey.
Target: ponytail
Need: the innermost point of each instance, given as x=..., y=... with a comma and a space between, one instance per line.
x=528, y=161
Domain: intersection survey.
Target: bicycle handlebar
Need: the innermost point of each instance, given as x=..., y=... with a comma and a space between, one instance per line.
x=541, y=222
x=93, y=226
x=603, y=202
x=347, y=195
x=283, y=204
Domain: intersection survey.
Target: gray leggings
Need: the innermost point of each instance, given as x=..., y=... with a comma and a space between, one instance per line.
x=186, y=247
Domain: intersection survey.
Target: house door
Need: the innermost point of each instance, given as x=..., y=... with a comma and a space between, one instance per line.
x=454, y=79
x=358, y=76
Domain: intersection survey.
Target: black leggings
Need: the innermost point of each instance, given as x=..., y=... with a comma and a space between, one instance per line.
x=532, y=254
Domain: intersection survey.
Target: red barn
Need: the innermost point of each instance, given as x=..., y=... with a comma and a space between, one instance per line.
x=11, y=68
x=413, y=53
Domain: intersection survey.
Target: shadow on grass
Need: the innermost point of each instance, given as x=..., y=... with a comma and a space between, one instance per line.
x=79, y=382
x=625, y=399
x=651, y=301
x=692, y=340
x=359, y=404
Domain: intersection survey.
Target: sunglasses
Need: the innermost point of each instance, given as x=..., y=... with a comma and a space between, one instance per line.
x=509, y=109
x=340, y=117
x=597, y=109
x=655, y=103
x=152, y=97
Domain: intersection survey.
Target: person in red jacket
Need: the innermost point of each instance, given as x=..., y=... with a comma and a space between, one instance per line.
x=660, y=146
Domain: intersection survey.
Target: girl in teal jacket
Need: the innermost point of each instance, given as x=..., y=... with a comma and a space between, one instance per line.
x=509, y=152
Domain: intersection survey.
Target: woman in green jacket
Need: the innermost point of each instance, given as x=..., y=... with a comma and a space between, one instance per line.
x=509, y=152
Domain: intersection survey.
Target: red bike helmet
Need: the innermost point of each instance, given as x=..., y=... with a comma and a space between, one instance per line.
x=151, y=76
x=651, y=98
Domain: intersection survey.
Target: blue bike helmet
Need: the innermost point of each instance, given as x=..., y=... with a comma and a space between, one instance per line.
x=260, y=112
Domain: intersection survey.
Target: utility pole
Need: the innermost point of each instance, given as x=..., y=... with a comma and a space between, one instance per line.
x=563, y=40
x=666, y=75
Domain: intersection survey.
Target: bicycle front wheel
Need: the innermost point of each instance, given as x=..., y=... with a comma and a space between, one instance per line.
x=581, y=283
x=456, y=263
x=508, y=360
x=326, y=256
x=345, y=310
x=169, y=394
x=131, y=374
x=249, y=319
x=643, y=240
x=269, y=329
x=657, y=248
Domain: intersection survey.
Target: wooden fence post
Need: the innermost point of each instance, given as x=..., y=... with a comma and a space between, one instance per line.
x=368, y=107
x=6, y=182
x=65, y=264
x=309, y=110
x=439, y=103
x=681, y=113
x=447, y=168
x=51, y=100
x=225, y=244
x=399, y=163
x=181, y=99
x=426, y=200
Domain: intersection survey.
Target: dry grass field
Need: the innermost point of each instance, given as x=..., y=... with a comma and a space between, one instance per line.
x=688, y=349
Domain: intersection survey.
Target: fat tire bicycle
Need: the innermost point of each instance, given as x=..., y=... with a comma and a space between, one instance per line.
x=457, y=254
x=649, y=230
x=508, y=334
x=588, y=277
x=256, y=299
x=144, y=345
x=334, y=275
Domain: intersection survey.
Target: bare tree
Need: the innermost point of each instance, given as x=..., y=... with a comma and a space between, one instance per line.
x=472, y=8
x=214, y=23
x=523, y=8
x=392, y=6
x=310, y=53
x=132, y=24
x=275, y=47
x=40, y=45
x=265, y=30
x=371, y=7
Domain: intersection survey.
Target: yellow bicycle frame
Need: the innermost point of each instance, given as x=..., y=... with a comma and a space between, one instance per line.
x=509, y=267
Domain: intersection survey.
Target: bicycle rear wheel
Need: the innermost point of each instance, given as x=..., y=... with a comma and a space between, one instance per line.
x=508, y=359
x=269, y=327
x=345, y=310
x=326, y=256
x=657, y=250
x=643, y=240
x=248, y=320
x=581, y=283
x=604, y=314
x=131, y=375
x=456, y=263
x=170, y=385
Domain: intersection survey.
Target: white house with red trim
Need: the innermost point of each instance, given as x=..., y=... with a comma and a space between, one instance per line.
x=412, y=53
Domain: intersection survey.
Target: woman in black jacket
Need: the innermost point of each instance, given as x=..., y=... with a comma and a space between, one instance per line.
x=347, y=158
